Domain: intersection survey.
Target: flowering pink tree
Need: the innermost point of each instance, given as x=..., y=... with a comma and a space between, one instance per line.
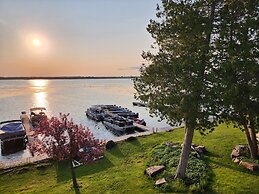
x=61, y=139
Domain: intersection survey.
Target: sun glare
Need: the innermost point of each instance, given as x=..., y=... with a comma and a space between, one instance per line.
x=36, y=42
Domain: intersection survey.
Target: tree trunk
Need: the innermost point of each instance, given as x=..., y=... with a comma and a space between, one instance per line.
x=186, y=149
x=75, y=185
x=253, y=152
x=253, y=135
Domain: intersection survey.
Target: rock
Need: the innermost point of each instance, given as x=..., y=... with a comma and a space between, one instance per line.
x=234, y=154
x=160, y=181
x=236, y=160
x=153, y=170
x=110, y=144
x=240, y=150
x=200, y=150
x=169, y=144
x=194, y=145
x=250, y=166
x=172, y=145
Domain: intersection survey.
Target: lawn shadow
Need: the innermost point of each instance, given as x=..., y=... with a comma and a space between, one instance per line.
x=88, y=169
x=64, y=174
x=134, y=141
x=62, y=171
x=211, y=154
x=211, y=177
x=234, y=167
x=115, y=151
x=77, y=190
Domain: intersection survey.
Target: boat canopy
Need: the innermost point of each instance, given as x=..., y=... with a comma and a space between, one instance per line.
x=37, y=109
x=11, y=129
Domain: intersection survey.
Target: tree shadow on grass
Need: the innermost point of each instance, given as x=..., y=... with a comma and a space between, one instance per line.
x=64, y=174
x=77, y=191
x=211, y=178
x=134, y=141
x=62, y=171
x=211, y=154
x=115, y=151
x=234, y=167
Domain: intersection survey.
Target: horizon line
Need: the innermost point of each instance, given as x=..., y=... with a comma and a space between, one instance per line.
x=64, y=77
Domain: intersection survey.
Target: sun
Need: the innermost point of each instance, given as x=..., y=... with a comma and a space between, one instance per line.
x=36, y=42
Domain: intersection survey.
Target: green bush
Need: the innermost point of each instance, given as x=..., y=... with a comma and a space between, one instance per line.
x=168, y=155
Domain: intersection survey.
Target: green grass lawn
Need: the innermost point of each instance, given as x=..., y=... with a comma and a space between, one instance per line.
x=122, y=168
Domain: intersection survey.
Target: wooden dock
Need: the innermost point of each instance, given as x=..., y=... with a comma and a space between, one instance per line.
x=143, y=128
x=146, y=131
x=13, y=163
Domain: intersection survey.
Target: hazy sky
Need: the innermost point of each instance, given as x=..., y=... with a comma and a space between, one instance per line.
x=73, y=37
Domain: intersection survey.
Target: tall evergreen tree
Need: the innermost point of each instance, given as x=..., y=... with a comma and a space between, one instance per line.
x=177, y=84
x=238, y=57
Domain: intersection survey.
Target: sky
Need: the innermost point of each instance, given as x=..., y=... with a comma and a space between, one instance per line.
x=74, y=37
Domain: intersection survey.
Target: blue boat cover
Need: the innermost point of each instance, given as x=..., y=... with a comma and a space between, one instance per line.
x=12, y=127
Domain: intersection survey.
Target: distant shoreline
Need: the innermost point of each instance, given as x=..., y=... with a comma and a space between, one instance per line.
x=68, y=77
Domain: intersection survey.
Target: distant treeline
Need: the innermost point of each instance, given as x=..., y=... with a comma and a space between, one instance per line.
x=69, y=77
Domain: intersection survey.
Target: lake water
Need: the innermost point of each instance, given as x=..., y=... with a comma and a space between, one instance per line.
x=69, y=96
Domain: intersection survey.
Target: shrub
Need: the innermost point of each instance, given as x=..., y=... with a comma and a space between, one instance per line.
x=168, y=155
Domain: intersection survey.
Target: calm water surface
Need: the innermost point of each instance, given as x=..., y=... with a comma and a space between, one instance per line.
x=69, y=96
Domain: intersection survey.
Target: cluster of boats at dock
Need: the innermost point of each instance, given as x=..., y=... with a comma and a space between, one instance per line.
x=14, y=133
x=115, y=118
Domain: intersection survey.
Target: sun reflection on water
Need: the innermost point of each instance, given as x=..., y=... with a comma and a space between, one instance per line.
x=39, y=83
x=40, y=99
x=40, y=94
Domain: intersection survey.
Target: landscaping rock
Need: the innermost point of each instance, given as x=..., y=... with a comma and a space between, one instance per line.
x=153, y=170
x=250, y=166
x=240, y=150
x=236, y=160
x=160, y=181
x=200, y=150
x=194, y=145
x=171, y=144
x=234, y=154
x=110, y=144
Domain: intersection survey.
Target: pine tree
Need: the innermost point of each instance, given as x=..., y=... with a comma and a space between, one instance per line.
x=178, y=84
x=238, y=73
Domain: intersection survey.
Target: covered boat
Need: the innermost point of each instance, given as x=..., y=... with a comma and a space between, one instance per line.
x=12, y=136
x=95, y=113
x=37, y=113
x=119, y=125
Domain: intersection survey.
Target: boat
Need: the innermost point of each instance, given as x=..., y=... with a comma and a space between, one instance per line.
x=95, y=113
x=36, y=114
x=124, y=113
x=12, y=136
x=111, y=110
x=99, y=112
x=140, y=121
x=119, y=125
x=139, y=104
